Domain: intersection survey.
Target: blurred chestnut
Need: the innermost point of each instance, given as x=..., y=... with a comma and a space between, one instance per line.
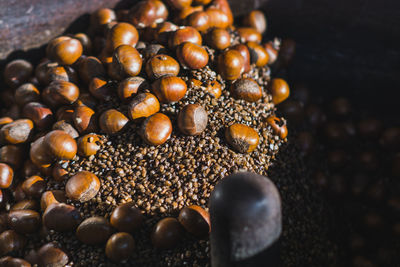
x=60, y=145
x=287, y=51
x=34, y=186
x=94, y=230
x=249, y=35
x=60, y=93
x=5, y=120
x=12, y=155
x=51, y=256
x=122, y=34
x=340, y=107
x=258, y=55
x=244, y=51
x=198, y=20
x=156, y=129
x=120, y=247
x=390, y=138
x=167, y=233
x=161, y=65
x=26, y=204
x=101, y=89
x=201, y=2
x=169, y=89
x=186, y=12
x=17, y=132
x=218, y=38
x=242, y=138
x=129, y=87
x=61, y=217
x=214, y=88
x=179, y=4
x=65, y=50
x=26, y=93
x=84, y=119
x=162, y=34
x=112, y=121
x=6, y=175
x=279, y=89
x=151, y=50
x=224, y=6
x=369, y=127
x=192, y=56
x=11, y=242
x=39, y=154
x=143, y=105
x=192, y=119
x=256, y=19
x=66, y=127
x=89, y=68
x=88, y=145
x=126, y=62
x=195, y=220
x=217, y=18
x=83, y=186
x=51, y=197
x=146, y=13
x=292, y=111
x=126, y=218
x=13, y=262
x=185, y=34
x=40, y=114
x=246, y=89
x=231, y=64
x=86, y=42
x=24, y=221
x=101, y=17
x=272, y=52
x=278, y=126
x=17, y=72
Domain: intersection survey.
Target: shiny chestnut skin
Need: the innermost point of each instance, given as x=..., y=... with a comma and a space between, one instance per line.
x=151, y=50
x=13, y=262
x=40, y=114
x=6, y=175
x=60, y=73
x=112, y=121
x=10, y=242
x=163, y=31
x=60, y=145
x=65, y=51
x=24, y=221
x=146, y=13
x=156, y=129
x=121, y=34
x=169, y=89
x=242, y=138
x=34, y=186
x=126, y=218
x=39, y=154
x=51, y=197
x=143, y=106
x=120, y=247
x=65, y=113
x=258, y=55
x=272, y=52
x=50, y=255
x=60, y=93
x=86, y=43
x=231, y=64
x=101, y=89
x=83, y=186
x=198, y=20
x=66, y=127
x=101, y=17
x=217, y=18
x=89, y=68
x=218, y=38
x=256, y=19
x=26, y=93
x=195, y=220
x=249, y=35
x=58, y=172
x=161, y=65
x=41, y=71
x=224, y=6
x=129, y=87
x=94, y=230
x=246, y=89
x=278, y=126
x=186, y=12
x=84, y=119
x=214, y=88
x=179, y=4
x=88, y=145
x=12, y=155
x=185, y=34
x=279, y=89
x=17, y=132
x=27, y=204
x=17, y=72
x=167, y=233
x=192, y=119
x=126, y=62
x=61, y=217
x=192, y=56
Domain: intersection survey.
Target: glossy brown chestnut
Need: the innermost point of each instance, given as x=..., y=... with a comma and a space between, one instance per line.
x=27, y=204
x=120, y=247
x=256, y=19
x=40, y=114
x=242, y=138
x=88, y=145
x=179, y=4
x=60, y=145
x=94, y=231
x=86, y=43
x=163, y=32
x=192, y=56
x=39, y=154
x=101, y=17
x=11, y=242
x=12, y=155
x=192, y=119
x=129, y=87
x=198, y=20
x=246, y=89
x=184, y=13
x=224, y=6
x=122, y=34
x=146, y=13
x=84, y=119
x=17, y=72
x=279, y=89
x=126, y=62
x=167, y=233
x=272, y=52
x=112, y=121
x=56, y=72
x=218, y=38
x=51, y=197
x=17, y=132
x=214, y=88
x=169, y=89
x=6, y=175
x=18, y=193
x=66, y=127
x=50, y=255
x=101, y=89
x=83, y=186
x=26, y=93
x=195, y=220
x=156, y=129
x=151, y=50
x=258, y=55
x=89, y=68
x=217, y=18
x=278, y=126
x=34, y=186
x=60, y=93
x=14, y=262
x=126, y=218
x=24, y=221
x=161, y=65
x=58, y=172
x=65, y=113
x=185, y=34
x=143, y=106
x=231, y=64
x=249, y=35
x=61, y=217
x=65, y=51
